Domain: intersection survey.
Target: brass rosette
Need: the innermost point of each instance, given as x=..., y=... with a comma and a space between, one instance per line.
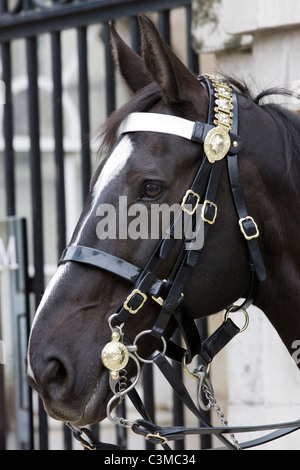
x=217, y=144
x=115, y=355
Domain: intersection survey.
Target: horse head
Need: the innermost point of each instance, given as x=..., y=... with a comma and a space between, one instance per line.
x=142, y=169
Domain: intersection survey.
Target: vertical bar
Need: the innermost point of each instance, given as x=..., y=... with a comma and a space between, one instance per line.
x=84, y=110
x=9, y=166
x=148, y=387
x=58, y=139
x=110, y=72
x=59, y=166
x=178, y=408
x=10, y=188
x=192, y=57
x=36, y=197
x=135, y=34
x=205, y=439
x=28, y=320
x=120, y=430
x=193, y=65
x=8, y=132
x=3, y=424
x=35, y=163
x=164, y=25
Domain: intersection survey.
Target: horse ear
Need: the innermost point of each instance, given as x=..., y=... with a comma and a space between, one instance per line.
x=157, y=59
x=131, y=65
x=175, y=80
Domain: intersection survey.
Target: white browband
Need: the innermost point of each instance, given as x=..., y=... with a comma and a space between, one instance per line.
x=152, y=122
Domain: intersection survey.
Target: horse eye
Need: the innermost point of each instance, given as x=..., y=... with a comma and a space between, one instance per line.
x=151, y=191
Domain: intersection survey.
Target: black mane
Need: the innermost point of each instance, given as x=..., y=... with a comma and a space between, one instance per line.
x=287, y=122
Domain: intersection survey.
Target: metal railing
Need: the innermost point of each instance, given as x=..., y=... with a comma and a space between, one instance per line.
x=30, y=22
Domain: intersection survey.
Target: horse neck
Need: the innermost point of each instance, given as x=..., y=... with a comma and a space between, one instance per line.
x=279, y=296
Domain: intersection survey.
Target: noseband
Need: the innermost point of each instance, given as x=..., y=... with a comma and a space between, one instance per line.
x=221, y=142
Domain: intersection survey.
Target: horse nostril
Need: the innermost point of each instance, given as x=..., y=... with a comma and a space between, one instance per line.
x=54, y=374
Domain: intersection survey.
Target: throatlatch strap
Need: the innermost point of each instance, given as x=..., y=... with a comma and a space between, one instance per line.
x=246, y=223
x=250, y=230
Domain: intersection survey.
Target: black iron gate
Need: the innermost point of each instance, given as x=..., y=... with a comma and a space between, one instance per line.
x=50, y=109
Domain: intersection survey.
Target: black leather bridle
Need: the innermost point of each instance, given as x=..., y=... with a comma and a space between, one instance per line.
x=168, y=293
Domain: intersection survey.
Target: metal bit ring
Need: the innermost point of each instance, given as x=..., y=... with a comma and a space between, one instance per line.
x=148, y=361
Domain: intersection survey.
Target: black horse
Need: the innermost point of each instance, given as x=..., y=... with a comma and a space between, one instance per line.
x=153, y=162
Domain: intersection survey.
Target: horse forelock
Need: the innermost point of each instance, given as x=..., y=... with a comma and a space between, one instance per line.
x=142, y=101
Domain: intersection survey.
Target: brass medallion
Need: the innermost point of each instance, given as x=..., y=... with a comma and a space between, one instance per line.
x=217, y=144
x=115, y=356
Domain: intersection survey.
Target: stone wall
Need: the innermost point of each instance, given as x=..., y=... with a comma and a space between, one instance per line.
x=257, y=41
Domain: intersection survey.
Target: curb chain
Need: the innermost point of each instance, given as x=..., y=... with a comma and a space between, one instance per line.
x=213, y=405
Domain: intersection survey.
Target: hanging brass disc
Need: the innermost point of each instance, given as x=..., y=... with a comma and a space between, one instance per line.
x=115, y=356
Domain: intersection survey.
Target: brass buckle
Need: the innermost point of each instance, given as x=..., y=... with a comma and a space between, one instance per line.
x=244, y=219
x=164, y=440
x=206, y=203
x=159, y=300
x=133, y=293
x=190, y=191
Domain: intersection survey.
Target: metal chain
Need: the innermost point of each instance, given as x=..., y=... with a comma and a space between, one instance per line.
x=213, y=404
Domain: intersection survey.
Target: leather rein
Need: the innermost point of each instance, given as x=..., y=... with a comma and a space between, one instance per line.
x=221, y=142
